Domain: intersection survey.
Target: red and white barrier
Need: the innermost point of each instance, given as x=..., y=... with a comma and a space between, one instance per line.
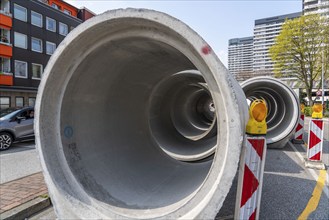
x=315, y=140
x=250, y=181
x=300, y=129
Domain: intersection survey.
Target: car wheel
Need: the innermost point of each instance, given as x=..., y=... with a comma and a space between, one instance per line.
x=6, y=140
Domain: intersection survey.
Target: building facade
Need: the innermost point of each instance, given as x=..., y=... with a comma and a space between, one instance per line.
x=240, y=56
x=30, y=32
x=316, y=7
x=265, y=32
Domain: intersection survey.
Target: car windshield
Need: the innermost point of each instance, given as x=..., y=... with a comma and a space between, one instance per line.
x=7, y=114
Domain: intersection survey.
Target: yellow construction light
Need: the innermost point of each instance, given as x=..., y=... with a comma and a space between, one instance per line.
x=257, y=118
x=317, y=110
x=302, y=108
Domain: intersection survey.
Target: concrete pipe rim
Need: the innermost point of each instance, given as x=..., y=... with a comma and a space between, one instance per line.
x=53, y=138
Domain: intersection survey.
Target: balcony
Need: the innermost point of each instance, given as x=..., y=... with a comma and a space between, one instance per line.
x=6, y=50
x=5, y=16
x=5, y=20
x=6, y=79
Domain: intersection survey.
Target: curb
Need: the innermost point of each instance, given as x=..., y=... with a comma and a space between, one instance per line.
x=27, y=209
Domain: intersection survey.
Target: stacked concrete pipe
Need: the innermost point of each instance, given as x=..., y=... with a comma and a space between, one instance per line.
x=283, y=108
x=136, y=118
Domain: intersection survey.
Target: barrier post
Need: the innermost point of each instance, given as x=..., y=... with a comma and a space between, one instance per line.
x=315, y=139
x=299, y=133
x=252, y=164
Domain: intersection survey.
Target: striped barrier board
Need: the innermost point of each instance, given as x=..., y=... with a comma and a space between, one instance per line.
x=300, y=129
x=315, y=140
x=250, y=180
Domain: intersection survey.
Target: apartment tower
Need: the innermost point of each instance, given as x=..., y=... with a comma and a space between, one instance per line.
x=265, y=32
x=240, y=57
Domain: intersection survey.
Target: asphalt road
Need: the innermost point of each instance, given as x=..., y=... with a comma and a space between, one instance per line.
x=287, y=185
x=19, y=161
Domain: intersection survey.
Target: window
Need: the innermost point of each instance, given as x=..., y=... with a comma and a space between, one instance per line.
x=32, y=101
x=5, y=36
x=4, y=65
x=50, y=24
x=55, y=6
x=20, y=40
x=20, y=12
x=4, y=102
x=50, y=48
x=63, y=29
x=36, y=19
x=36, y=71
x=67, y=12
x=19, y=101
x=36, y=45
x=20, y=69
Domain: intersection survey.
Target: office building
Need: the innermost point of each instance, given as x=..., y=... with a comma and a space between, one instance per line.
x=240, y=57
x=30, y=32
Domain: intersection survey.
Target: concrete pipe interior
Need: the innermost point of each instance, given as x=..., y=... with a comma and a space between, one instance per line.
x=125, y=121
x=282, y=104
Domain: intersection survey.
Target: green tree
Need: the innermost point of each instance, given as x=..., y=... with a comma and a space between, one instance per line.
x=299, y=48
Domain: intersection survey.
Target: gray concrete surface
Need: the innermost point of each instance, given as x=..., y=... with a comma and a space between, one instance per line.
x=287, y=188
x=46, y=214
x=19, y=161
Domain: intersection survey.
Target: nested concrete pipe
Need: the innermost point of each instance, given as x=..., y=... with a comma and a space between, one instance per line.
x=283, y=108
x=130, y=108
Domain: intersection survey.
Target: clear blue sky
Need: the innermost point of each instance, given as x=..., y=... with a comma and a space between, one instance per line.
x=216, y=21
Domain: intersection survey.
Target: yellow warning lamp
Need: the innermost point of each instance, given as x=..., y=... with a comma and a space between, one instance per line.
x=257, y=118
x=302, y=108
x=317, y=110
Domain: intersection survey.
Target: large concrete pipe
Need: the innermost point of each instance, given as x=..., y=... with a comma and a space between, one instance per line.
x=282, y=104
x=136, y=118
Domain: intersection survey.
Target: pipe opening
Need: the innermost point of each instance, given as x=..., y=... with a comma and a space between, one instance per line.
x=131, y=106
x=183, y=120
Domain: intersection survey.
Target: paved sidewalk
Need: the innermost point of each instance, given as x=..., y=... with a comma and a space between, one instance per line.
x=17, y=192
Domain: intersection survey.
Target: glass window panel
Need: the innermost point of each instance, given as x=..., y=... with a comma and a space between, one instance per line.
x=19, y=101
x=4, y=102
x=50, y=48
x=67, y=12
x=36, y=19
x=20, y=69
x=20, y=12
x=63, y=29
x=54, y=6
x=36, y=71
x=36, y=44
x=5, y=65
x=20, y=40
x=51, y=24
x=31, y=102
